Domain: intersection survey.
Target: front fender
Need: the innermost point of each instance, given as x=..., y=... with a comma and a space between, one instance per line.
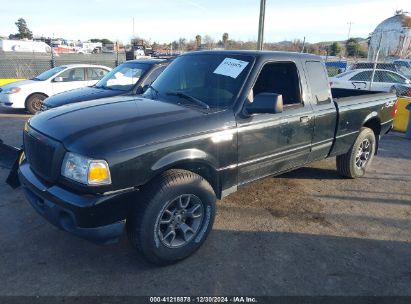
x=186, y=155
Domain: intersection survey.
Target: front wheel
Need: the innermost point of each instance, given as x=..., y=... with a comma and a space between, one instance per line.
x=174, y=217
x=34, y=103
x=354, y=163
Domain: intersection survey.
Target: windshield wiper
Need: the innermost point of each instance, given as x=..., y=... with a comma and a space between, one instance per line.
x=189, y=97
x=105, y=88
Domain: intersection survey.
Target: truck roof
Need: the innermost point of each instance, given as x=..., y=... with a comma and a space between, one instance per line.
x=260, y=54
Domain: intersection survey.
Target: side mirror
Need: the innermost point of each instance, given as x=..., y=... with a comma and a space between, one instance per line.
x=266, y=103
x=58, y=79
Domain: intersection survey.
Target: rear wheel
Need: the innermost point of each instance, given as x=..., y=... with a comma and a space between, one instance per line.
x=354, y=163
x=34, y=102
x=174, y=217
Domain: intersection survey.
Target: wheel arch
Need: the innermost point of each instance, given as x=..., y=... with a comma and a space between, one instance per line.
x=193, y=160
x=373, y=122
x=31, y=94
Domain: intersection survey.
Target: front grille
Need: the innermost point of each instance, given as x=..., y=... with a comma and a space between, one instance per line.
x=40, y=152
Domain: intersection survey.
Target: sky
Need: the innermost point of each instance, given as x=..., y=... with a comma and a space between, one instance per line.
x=167, y=20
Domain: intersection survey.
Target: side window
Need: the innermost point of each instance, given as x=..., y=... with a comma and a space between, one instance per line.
x=318, y=81
x=381, y=76
x=153, y=75
x=280, y=78
x=95, y=73
x=362, y=76
x=76, y=74
x=391, y=77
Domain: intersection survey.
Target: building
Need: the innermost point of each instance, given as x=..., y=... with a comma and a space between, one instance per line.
x=392, y=37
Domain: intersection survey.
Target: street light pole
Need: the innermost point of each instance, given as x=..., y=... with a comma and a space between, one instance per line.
x=261, y=26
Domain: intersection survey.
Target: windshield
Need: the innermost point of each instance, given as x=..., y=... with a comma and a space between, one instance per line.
x=123, y=77
x=202, y=80
x=50, y=73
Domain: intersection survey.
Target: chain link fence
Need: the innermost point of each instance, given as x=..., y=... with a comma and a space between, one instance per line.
x=29, y=65
x=385, y=77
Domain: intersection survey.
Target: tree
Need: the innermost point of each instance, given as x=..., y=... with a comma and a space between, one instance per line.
x=24, y=31
x=209, y=41
x=335, y=49
x=225, y=39
x=353, y=47
x=182, y=44
x=198, y=41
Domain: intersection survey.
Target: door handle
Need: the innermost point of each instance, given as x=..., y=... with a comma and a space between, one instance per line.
x=304, y=119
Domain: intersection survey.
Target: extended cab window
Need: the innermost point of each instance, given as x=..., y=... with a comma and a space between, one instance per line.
x=280, y=78
x=318, y=80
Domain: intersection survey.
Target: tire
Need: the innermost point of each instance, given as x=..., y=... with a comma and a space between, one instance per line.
x=355, y=162
x=34, y=102
x=150, y=226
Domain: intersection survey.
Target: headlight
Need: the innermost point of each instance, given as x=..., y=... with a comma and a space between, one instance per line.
x=12, y=90
x=85, y=170
x=27, y=126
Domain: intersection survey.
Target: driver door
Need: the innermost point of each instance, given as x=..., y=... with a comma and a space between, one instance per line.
x=273, y=143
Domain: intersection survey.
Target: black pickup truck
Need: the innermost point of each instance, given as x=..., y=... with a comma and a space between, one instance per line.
x=213, y=121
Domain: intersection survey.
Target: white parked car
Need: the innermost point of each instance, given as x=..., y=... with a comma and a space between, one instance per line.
x=384, y=80
x=29, y=94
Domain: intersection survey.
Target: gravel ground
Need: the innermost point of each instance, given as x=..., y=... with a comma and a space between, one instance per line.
x=307, y=232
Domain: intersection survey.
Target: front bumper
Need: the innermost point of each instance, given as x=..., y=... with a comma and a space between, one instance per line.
x=98, y=218
x=11, y=101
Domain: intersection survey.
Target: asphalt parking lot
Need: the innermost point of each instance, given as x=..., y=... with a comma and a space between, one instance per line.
x=307, y=232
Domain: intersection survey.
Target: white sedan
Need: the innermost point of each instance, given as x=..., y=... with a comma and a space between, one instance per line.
x=384, y=80
x=29, y=94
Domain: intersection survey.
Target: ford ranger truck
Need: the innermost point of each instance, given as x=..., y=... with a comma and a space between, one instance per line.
x=154, y=165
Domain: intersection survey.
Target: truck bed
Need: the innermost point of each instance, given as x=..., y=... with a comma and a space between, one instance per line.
x=356, y=107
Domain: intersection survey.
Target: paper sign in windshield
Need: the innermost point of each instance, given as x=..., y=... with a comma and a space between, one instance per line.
x=230, y=67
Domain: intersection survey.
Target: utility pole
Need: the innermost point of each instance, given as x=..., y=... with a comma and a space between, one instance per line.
x=349, y=29
x=303, y=47
x=260, y=41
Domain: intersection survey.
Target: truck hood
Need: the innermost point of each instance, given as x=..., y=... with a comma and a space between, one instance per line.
x=77, y=95
x=121, y=123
